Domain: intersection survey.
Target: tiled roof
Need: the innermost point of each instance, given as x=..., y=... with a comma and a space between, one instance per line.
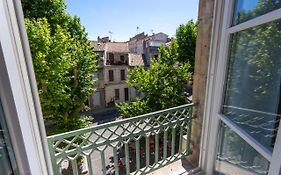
x=135, y=60
x=98, y=46
x=117, y=47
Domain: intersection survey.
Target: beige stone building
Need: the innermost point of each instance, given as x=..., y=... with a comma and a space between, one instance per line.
x=113, y=66
x=147, y=45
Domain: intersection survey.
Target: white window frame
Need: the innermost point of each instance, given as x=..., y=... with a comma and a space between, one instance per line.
x=223, y=13
x=18, y=94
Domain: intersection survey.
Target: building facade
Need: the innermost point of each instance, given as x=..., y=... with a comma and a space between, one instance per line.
x=147, y=46
x=115, y=60
x=135, y=43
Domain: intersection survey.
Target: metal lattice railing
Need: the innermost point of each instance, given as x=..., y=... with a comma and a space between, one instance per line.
x=136, y=145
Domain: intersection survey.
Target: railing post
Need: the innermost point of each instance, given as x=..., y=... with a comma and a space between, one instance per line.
x=52, y=151
x=188, y=136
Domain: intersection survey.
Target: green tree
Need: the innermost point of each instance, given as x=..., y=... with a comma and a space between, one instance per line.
x=186, y=38
x=64, y=62
x=162, y=83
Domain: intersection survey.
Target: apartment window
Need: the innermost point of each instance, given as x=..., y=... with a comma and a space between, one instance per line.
x=122, y=72
x=122, y=58
x=117, y=94
x=111, y=75
x=126, y=92
x=111, y=58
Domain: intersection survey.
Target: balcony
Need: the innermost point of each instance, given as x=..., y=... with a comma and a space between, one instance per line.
x=116, y=63
x=137, y=145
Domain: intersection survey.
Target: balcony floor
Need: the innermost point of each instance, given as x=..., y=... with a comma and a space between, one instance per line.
x=180, y=167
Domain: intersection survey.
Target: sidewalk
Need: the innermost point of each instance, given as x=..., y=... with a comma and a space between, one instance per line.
x=102, y=115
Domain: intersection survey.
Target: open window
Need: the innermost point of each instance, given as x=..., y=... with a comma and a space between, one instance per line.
x=244, y=109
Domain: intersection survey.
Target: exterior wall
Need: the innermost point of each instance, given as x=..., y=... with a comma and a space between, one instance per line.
x=136, y=43
x=109, y=87
x=99, y=88
x=99, y=84
x=99, y=76
x=110, y=93
x=160, y=37
x=136, y=46
x=116, y=74
x=205, y=20
x=152, y=45
x=106, y=88
x=147, y=45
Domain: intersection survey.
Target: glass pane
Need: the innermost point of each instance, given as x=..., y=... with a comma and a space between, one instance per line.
x=249, y=9
x=235, y=156
x=252, y=96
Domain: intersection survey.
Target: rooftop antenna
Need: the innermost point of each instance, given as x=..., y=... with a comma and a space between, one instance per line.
x=137, y=30
x=152, y=33
x=110, y=34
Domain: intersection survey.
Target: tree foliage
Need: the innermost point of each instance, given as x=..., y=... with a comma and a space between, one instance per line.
x=162, y=83
x=186, y=38
x=63, y=61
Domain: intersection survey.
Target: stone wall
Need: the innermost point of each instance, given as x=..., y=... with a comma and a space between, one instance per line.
x=205, y=19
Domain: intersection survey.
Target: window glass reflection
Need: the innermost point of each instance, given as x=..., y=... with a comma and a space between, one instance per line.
x=235, y=156
x=248, y=9
x=252, y=96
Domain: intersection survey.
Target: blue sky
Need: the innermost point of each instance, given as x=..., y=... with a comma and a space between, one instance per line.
x=123, y=16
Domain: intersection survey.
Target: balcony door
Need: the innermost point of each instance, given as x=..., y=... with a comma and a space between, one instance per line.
x=244, y=110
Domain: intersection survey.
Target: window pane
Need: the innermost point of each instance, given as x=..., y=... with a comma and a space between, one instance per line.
x=111, y=75
x=249, y=9
x=122, y=72
x=252, y=97
x=235, y=156
x=126, y=92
